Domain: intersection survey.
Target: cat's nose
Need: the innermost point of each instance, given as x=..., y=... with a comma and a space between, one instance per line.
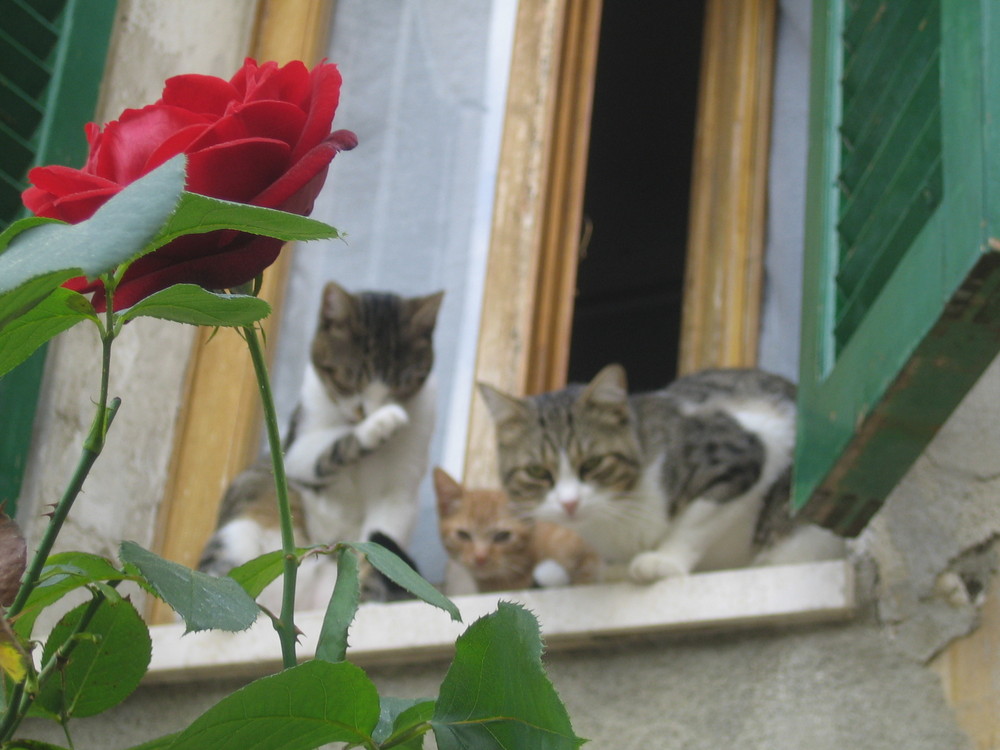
x=570, y=506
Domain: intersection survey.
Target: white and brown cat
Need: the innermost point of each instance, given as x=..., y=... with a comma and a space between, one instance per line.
x=692, y=477
x=358, y=444
x=502, y=551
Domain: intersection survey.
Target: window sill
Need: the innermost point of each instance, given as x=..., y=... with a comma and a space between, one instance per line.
x=570, y=617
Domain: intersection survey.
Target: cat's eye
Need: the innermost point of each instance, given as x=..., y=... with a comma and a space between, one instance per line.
x=501, y=536
x=539, y=472
x=591, y=465
x=464, y=535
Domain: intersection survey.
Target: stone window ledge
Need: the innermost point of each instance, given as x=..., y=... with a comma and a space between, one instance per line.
x=410, y=631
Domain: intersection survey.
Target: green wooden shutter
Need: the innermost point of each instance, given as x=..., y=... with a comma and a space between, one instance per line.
x=901, y=310
x=52, y=55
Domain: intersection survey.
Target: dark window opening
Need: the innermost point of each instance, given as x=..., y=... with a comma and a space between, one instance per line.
x=631, y=274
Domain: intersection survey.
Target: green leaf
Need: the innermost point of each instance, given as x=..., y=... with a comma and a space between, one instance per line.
x=205, y=602
x=191, y=304
x=332, y=642
x=102, y=670
x=197, y=214
x=401, y=573
x=61, y=310
x=64, y=572
x=32, y=745
x=42, y=257
x=22, y=225
x=255, y=575
x=297, y=709
x=160, y=743
x=496, y=693
x=400, y=718
x=21, y=300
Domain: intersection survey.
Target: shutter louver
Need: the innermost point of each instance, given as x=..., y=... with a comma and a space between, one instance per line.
x=28, y=40
x=890, y=180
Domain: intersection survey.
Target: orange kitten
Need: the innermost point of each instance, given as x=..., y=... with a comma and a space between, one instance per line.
x=502, y=551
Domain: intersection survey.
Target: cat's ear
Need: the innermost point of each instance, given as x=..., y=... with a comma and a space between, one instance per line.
x=337, y=304
x=609, y=388
x=502, y=407
x=447, y=490
x=606, y=397
x=423, y=313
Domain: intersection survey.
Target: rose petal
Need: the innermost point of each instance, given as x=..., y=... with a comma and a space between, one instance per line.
x=325, y=97
x=126, y=144
x=289, y=83
x=304, y=170
x=65, y=193
x=199, y=93
x=179, y=143
x=226, y=129
x=60, y=180
x=271, y=120
x=81, y=206
x=244, y=75
x=237, y=171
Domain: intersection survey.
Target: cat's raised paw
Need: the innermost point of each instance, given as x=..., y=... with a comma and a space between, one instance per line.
x=648, y=567
x=380, y=425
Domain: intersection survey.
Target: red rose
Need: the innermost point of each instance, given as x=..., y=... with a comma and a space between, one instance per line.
x=261, y=138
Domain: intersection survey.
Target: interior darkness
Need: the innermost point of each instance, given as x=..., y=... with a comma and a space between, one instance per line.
x=631, y=276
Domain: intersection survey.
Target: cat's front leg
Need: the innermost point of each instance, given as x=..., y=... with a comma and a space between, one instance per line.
x=367, y=436
x=648, y=567
x=704, y=530
x=317, y=456
x=380, y=425
x=680, y=550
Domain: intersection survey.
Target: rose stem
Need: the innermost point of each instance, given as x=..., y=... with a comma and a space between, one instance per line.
x=285, y=624
x=92, y=448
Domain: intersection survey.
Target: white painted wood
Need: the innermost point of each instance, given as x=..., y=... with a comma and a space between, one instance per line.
x=414, y=631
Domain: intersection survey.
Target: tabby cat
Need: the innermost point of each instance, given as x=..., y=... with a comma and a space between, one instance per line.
x=502, y=551
x=692, y=477
x=358, y=444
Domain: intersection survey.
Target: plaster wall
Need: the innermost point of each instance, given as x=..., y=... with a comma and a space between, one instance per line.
x=862, y=685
